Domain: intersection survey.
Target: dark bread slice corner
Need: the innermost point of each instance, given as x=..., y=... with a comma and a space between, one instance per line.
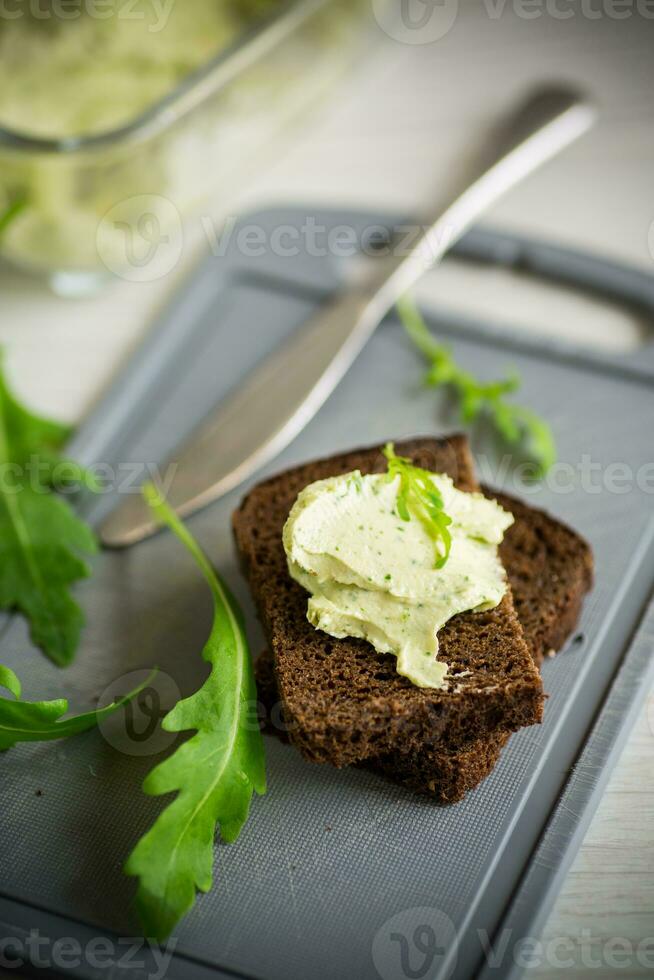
x=445, y=776
x=343, y=701
x=550, y=569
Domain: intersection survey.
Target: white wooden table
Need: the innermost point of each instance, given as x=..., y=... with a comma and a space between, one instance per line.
x=396, y=138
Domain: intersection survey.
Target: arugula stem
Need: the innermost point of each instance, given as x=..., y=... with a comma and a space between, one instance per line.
x=515, y=423
x=166, y=515
x=41, y=721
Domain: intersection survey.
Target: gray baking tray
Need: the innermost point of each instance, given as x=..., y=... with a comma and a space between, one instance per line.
x=337, y=873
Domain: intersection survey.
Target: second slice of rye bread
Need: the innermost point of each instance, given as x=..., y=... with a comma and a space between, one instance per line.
x=550, y=569
x=344, y=702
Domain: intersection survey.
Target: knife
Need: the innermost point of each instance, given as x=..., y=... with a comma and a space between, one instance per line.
x=280, y=396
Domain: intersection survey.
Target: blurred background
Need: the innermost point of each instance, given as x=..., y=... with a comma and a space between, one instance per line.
x=131, y=142
x=338, y=106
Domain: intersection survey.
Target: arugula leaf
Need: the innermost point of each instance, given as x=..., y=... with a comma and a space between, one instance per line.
x=418, y=496
x=214, y=773
x=517, y=425
x=42, y=541
x=11, y=212
x=41, y=721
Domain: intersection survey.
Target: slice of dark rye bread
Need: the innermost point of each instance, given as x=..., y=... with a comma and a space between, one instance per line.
x=344, y=702
x=550, y=569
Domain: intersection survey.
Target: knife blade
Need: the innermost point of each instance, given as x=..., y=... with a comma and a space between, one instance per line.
x=280, y=396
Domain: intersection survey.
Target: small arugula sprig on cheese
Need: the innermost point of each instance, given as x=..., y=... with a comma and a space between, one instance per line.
x=418, y=497
x=214, y=773
x=518, y=426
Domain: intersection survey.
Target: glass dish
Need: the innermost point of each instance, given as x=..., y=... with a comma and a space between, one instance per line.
x=73, y=205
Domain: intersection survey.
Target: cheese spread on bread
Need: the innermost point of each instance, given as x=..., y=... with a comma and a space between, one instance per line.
x=371, y=574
